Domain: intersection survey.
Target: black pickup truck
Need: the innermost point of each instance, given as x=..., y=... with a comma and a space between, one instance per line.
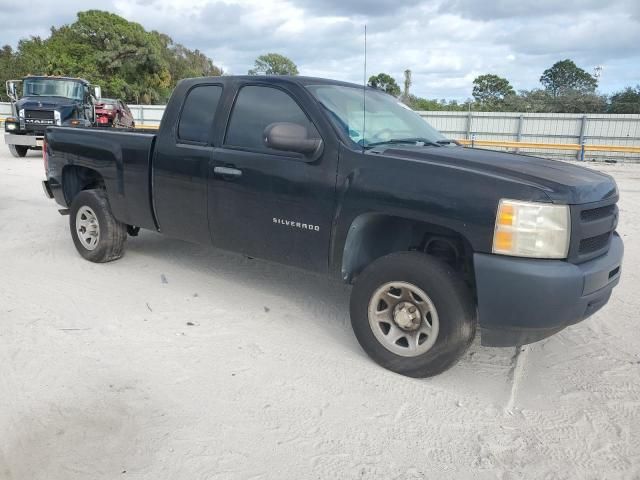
x=346, y=181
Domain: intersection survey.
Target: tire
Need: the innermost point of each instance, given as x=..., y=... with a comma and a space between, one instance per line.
x=90, y=210
x=18, y=151
x=438, y=338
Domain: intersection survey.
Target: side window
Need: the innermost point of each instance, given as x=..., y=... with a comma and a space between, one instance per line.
x=257, y=107
x=197, y=113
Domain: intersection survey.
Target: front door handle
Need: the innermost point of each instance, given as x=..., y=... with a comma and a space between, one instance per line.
x=227, y=172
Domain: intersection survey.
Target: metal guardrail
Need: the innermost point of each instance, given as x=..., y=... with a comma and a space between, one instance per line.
x=581, y=149
x=550, y=146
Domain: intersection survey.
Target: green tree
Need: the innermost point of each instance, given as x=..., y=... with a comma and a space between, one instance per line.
x=491, y=89
x=427, y=104
x=273, y=64
x=128, y=58
x=121, y=56
x=565, y=76
x=625, y=101
x=422, y=104
x=580, y=102
x=383, y=81
x=8, y=68
x=185, y=63
x=542, y=101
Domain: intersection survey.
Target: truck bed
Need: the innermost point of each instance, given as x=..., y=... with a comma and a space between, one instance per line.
x=123, y=159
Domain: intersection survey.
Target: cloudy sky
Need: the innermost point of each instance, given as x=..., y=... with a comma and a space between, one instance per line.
x=445, y=43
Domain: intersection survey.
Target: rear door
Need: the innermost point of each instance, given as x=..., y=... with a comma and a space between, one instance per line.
x=181, y=166
x=267, y=203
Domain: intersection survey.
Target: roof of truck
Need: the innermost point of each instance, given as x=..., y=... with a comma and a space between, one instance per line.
x=275, y=79
x=55, y=77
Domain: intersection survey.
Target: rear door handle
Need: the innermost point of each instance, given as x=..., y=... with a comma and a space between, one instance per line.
x=227, y=172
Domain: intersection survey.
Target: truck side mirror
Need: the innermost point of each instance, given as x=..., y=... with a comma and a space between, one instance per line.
x=97, y=92
x=12, y=91
x=291, y=137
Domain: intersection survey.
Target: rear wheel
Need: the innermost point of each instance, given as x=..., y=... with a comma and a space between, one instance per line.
x=96, y=233
x=18, y=151
x=412, y=314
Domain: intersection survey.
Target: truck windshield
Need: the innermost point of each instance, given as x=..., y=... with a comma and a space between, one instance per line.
x=388, y=121
x=49, y=87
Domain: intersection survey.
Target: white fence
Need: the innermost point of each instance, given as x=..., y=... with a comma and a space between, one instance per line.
x=552, y=128
x=5, y=110
x=549, y=128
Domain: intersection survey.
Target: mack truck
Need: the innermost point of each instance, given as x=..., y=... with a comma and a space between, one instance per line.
x=38, y=102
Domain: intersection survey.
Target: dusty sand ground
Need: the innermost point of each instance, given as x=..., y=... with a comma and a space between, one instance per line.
x=101, y=377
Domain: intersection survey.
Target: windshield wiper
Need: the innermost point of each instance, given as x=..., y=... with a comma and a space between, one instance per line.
x=447, y=142
x=415, y=141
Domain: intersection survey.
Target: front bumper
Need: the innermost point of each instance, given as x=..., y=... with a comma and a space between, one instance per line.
x=521, y=301
x=24, y=140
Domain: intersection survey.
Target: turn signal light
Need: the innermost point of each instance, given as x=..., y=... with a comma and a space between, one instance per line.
x=532, y=229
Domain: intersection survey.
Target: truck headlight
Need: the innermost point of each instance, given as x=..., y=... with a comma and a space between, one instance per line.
x=11, y=124
x=529, y=229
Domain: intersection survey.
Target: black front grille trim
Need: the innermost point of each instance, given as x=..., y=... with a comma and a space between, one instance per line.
x=597, y=213
x=592, y=226
x=593, y=244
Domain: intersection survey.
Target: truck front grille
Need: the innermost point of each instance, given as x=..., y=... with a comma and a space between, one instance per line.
x=592, y=226
x=39, y=114
x=38, y=120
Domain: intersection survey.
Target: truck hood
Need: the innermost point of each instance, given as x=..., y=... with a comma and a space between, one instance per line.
x=562, y=182
x=65, y=106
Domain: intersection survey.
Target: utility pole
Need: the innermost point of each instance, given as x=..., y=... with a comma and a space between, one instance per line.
x=407, y=84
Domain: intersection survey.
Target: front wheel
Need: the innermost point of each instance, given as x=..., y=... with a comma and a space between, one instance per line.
x=412, y=314
x=96, y=233
x=18, y=151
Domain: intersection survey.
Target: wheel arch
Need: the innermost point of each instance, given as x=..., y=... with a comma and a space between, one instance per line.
x=76, y=178
x=374, y=235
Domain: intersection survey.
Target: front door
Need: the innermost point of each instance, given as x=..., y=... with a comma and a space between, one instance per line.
x=267, y=203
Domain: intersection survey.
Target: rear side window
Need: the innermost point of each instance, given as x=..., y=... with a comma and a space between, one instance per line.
x=197, y=113
x=257, y=107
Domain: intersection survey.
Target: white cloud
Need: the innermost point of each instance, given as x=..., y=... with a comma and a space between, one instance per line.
x=445, y=43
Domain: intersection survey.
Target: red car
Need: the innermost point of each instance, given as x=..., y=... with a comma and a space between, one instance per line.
x=111, y=112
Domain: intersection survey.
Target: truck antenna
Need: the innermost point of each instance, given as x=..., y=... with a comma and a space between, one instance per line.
x=364, y=90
